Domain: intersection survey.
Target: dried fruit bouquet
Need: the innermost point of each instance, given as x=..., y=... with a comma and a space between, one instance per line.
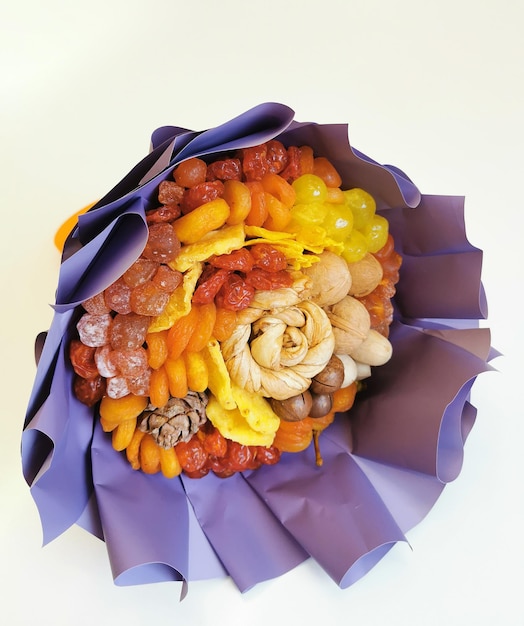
x=218, y=309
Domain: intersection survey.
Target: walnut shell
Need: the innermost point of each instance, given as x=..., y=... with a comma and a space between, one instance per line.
x=330, y=279
x=366, y=274
x=351, y=323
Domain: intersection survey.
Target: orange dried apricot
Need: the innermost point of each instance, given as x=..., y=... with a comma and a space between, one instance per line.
x=258, y=212
x=149, y=455
x=156, y=349
x=225, y=323
x=344, y=398
x=210, y=216
x=169, y=463
x=293, y=436
x=177, y=376
x=238, y=197
x=202, y=333
x=324, y=169
x=159, y=387
x=122, y=434
x=133, y=449
x=179, y=334
x=117, y=410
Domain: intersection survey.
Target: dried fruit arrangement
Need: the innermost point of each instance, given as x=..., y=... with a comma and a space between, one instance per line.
x=260, y=301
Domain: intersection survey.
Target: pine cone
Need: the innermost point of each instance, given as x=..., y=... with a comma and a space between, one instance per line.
x=177, y=421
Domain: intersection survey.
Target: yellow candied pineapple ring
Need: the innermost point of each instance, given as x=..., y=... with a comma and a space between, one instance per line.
x=277, y=354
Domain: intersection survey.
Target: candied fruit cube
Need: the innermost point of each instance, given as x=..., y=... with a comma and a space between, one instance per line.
x=148, y=299
x=129, y=331
x=94, y=330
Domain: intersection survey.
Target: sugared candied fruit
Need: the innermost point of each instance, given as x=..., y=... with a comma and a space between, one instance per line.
x=117, y=296
x=96, y=305
x=164, y=213
x=94, y=330
x=105, y=362
x=141, y=271
x=190, y=173
x=338, y=222
x=129, y=331
x=362, y=205
x=148, y=299
x=139, y=385
x=376, y=233
x=310, y=188
x=170, y=192
x=131, y=362
x=162, y=243
x=117, y=387
x=167, y=279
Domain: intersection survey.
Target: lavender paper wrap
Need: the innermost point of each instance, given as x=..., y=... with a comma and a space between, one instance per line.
x=384, y=465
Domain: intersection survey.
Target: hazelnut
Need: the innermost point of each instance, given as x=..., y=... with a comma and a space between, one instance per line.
x=330, y=378
x=321, y=405
x=293, y=409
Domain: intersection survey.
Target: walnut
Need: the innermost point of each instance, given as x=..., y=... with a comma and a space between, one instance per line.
x=330, y=279
x=366, y=274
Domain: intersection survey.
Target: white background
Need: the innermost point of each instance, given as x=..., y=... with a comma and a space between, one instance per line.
x=435, y=88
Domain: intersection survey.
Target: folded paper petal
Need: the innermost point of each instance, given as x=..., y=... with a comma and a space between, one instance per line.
x=430, y=372
x=56, y=452
x=385, y=463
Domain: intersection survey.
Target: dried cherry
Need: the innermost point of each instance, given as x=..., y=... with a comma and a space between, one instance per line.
x=235, y=294
x=276, y=155
x=238, y=260
x=191, y=455
x=83, y=359
x=228, y=169
x=89, y=390
x=268, y=258
x=264, y=280
x=209, y=285
x=201, y=194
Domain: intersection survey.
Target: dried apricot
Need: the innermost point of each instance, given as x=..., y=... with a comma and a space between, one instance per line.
x=149, y=455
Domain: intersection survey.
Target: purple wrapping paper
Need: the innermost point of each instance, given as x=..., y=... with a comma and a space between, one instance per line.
x=385, y=464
